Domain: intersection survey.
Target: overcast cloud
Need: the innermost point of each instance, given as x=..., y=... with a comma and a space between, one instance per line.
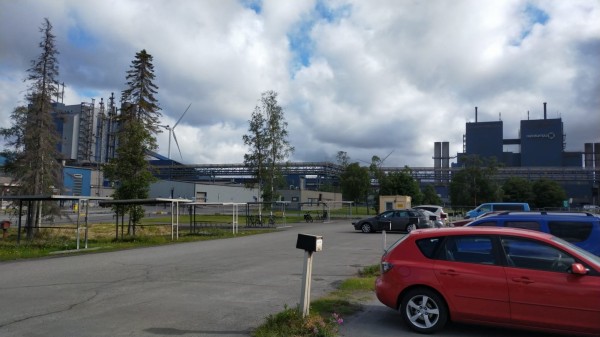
x=366, y=77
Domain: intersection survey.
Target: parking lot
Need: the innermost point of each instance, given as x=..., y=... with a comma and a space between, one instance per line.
x=211, y=288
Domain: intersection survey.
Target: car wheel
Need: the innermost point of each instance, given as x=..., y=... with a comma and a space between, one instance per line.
x=424, y=310
x=411, y=227
x=366, y=228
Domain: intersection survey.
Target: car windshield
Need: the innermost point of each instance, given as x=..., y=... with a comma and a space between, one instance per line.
x=593, y=258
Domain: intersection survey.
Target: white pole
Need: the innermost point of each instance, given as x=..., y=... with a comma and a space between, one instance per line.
x=306, y=276
x=78, y=228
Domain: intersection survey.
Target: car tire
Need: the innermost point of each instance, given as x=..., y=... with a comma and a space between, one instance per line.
x=424, y=311
x=366, y=228
x=411, y=227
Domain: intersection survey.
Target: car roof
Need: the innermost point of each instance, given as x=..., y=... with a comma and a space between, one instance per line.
x=483, y=230
x=539, y=215
x=428, y=206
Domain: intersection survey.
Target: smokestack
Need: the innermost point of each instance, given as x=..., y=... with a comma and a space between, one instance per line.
x=544, y=110
x=475, y=114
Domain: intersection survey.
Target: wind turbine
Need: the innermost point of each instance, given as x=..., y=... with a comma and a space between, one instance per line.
x=172, y=133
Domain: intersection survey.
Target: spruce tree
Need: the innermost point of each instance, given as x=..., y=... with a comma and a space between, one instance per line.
x=31, y=151
x=138, y=124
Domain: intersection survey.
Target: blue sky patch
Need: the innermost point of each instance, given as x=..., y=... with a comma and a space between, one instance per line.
x=255, y=5
x=534, y=16
x=87, y=93
x=301, y=43
x=80, y=38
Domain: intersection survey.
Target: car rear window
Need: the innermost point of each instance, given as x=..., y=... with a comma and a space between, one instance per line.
x=572, y=231
x=428, y=246
x=523, y=224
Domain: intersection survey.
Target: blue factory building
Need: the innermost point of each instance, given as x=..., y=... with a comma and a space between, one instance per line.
x=541, y=143
x=539, y=148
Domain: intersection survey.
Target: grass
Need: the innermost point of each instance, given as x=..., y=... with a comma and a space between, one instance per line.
x=326, y=313
x=101, y=237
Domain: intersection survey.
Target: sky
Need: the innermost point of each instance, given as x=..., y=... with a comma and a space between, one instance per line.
x=367, y=77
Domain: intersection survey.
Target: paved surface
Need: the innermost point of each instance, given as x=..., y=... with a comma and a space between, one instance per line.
x=211, y=288
x=220, y=288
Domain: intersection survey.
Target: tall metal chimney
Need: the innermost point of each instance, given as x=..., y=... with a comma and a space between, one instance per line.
x=475, y=114
x=544, y=110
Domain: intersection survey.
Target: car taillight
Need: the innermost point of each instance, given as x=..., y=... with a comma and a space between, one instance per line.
x=386, y=266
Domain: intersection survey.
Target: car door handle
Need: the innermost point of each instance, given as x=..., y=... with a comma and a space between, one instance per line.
x=524, y=280
x=449, y=272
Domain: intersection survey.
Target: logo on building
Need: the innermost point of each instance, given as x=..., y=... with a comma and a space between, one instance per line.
x=549, y=135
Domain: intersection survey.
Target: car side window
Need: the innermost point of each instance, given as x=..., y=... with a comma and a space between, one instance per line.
x=572, y=231
x=531, y=254
x=387, y=214
x=402, y=214
x=469, y=249
x=523, y=224
x=428, y=246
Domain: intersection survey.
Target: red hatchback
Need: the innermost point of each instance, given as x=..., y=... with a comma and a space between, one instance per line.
x=501, y=276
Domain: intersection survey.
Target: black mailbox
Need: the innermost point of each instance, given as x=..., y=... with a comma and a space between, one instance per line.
x=311, y=243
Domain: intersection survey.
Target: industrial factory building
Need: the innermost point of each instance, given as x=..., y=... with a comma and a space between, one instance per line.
x=538, y=153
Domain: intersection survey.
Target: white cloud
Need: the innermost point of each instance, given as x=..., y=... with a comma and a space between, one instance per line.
x=381, y=76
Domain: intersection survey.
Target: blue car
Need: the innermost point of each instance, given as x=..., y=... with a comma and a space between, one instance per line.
x=580, y=229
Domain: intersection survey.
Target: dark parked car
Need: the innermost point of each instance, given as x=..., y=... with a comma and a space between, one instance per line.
x=488, y=275
x=404, y=220
x=581, y=229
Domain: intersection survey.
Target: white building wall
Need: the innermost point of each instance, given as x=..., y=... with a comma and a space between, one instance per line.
x=212, y=192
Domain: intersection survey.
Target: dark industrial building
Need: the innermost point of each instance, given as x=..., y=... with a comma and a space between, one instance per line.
x=540, y=154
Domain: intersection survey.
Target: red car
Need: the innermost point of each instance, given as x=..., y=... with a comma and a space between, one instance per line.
x=487, y=275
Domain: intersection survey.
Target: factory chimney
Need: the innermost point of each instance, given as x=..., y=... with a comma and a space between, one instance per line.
x=475, y=114
x=544, y=110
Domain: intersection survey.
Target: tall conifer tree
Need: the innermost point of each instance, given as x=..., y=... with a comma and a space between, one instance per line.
x=138, y=124
x=31, y=150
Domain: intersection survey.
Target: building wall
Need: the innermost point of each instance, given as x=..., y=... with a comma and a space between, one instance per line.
x=77, y=181
x=388, y=202
x=211, y=193
x=542, y=142
x=311, y=200
x=484, y=139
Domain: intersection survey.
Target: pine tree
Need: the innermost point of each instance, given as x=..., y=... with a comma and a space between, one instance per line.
x=138, y=124
x=31, y=141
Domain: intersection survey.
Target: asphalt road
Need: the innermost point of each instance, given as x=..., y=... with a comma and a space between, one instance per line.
x=217, y=288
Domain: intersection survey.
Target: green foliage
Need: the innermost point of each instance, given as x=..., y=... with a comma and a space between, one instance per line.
x=473, y=184
x=290, y=323
x=548, y=193
x=268, y=145
x=138, y=123
x=140, y=91
x=325, y=313
x=430, y=196
x=50, y=241
x=401, y=183
x=355, y=182
x=31, y=152
x=517, y=189
x=370, y=271
x=342, y=159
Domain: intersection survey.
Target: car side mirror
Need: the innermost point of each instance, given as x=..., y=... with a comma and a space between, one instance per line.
x=578, y=269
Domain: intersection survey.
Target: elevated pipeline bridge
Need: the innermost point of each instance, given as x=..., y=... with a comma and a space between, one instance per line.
x=331, y=172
